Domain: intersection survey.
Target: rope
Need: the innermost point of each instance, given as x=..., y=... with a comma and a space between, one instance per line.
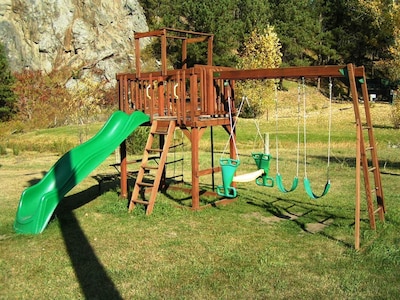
x=257, y=124
x=305, y=125
x=233, y=126
x=306, y=181
x=276, y=127
x=329, y=126
x=298, y=130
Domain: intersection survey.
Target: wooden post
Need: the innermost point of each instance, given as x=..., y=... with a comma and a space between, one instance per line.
x=358, y=189
x=164, y=52
x=184, y=54
x=124, y=171
x=266, y=143
x=210, y=50
x=195, y=140
x=137, y=57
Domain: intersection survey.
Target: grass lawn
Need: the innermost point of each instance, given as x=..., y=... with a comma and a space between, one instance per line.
x=266, y=245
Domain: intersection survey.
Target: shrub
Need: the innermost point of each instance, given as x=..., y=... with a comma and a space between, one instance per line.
x=44, y=100
x=396, y=115
x=3, y=150
x=136, y=142
x=41, y=99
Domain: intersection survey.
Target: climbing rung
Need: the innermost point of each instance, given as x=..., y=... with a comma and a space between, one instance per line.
x=154, y=150
x=369, y=148
x=159, y=132
x=145, y=184
x=150, y=167
x=144, y=202
x=377, y=210
x=372, y=169
x=366, y=127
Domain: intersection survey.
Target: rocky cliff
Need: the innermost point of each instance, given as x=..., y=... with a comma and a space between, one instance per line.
x=92, y=37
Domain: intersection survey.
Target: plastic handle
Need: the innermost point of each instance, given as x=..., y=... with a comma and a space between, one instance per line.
x=175, y=94
x=147, y=91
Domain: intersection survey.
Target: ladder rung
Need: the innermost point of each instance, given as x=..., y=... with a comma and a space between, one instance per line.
x=369, y=148
x=145, y=202
x=145, y=184
x=155, y=150
x=377, y=210
x=150, y=167
x=366, y=127
x=159, y=132
x=372, y=169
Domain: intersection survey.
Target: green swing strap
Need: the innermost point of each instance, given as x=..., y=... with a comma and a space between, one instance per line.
x=307, y=187
x=228, y=169
x=279, y=183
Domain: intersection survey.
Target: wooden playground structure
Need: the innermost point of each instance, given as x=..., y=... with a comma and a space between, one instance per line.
x=198, y=97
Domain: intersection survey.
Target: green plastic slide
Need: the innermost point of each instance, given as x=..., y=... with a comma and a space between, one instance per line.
x=39, y=201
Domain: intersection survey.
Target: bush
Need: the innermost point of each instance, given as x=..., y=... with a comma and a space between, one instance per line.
x=136, y=142
x=396, y=115
x=44, y=101
x=262, y=49
x=41, y=99
x=3, y=150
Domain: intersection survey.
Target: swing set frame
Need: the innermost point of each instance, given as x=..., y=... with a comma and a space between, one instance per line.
x=196, y=97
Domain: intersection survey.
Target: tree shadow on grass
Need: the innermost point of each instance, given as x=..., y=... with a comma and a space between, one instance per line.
x=294, y=210
x=91, y=274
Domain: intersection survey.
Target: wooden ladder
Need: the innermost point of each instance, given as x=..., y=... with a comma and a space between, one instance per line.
x=165, y=130
x=367, y=152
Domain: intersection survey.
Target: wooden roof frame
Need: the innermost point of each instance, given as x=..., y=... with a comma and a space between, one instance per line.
x=187, y=37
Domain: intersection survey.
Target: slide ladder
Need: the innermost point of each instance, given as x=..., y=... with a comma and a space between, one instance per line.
x=368, y=154
x=165, y=130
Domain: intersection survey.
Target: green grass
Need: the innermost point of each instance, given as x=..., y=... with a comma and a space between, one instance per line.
x=266, y=245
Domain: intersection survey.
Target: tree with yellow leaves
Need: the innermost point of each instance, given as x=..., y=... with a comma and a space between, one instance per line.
x=261, y=49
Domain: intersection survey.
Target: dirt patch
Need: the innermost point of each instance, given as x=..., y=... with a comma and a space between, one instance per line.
x=271, y=219
x=318, y=227
x=310, y=227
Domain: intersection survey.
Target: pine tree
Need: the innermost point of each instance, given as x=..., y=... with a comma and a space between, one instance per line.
x=7, y=96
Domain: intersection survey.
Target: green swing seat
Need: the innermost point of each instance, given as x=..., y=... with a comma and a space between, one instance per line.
x=228, y=169
x=262, y=161
x=281, y=187
x=310, y=193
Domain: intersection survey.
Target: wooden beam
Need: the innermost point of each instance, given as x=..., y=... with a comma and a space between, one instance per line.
x=289, y=72
x=197, y=39
x=139, y=35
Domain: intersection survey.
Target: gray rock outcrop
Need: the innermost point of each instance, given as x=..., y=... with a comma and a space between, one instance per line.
x=92, y=37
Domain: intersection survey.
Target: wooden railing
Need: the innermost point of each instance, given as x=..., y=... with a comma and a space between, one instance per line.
x=186, y=94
